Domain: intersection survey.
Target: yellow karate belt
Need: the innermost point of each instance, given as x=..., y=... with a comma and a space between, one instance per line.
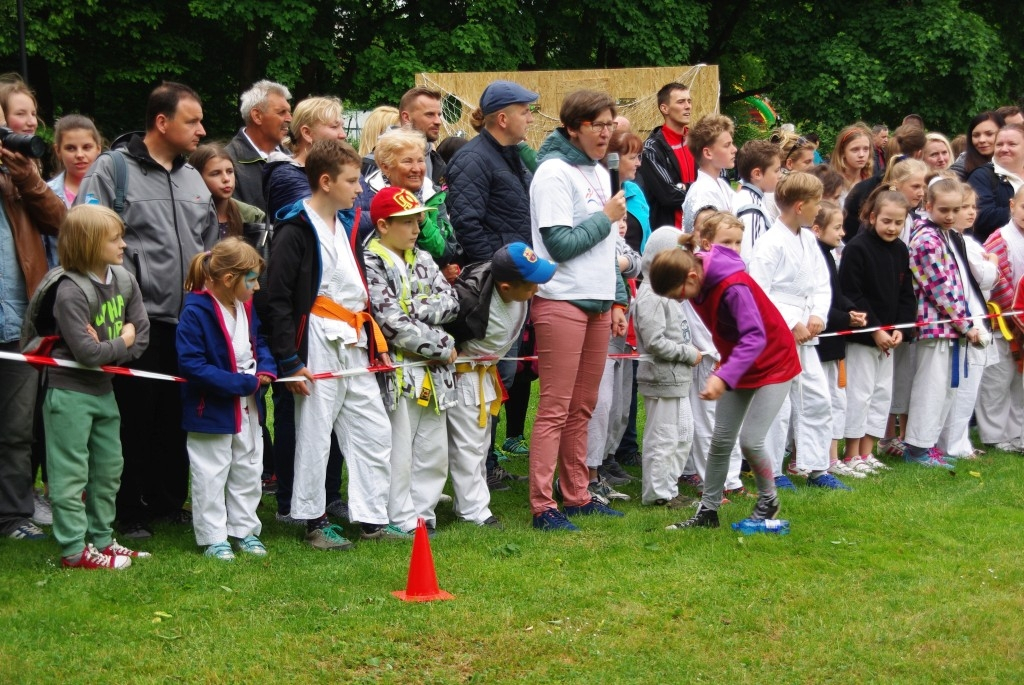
x=997, y=311
x=482, y=371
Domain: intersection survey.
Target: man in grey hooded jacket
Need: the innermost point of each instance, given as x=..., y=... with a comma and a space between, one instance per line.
x=169, y=217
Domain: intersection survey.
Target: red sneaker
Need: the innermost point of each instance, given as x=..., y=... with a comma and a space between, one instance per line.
x=116, y=549
x=91, y=558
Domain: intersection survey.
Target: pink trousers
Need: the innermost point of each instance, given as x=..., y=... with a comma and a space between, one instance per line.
x=571, y=348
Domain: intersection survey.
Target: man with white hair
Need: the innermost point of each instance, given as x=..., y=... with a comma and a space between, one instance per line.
x=267, y=114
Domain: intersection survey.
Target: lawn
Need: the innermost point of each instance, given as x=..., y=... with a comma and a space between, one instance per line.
x=915, y=577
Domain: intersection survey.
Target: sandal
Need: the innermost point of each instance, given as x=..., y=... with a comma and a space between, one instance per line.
x=220, y=550
x=251, y=544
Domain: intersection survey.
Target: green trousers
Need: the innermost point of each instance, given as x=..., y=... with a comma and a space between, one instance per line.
x=83, y=454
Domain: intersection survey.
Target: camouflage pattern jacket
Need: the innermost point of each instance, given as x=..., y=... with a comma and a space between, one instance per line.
x=410, y=306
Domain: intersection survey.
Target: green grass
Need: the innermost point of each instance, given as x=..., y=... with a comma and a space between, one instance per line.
x=915, y=577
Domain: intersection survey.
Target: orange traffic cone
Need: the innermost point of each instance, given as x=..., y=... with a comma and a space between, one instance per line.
x=422, y=584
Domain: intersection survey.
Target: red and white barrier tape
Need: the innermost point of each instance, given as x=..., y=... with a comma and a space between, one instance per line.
x=382, y=368
x=37, y=360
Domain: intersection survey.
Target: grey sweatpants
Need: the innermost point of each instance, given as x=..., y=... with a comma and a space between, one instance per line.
x=747, y=414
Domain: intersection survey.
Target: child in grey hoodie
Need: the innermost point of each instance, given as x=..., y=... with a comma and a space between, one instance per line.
x=664, y=376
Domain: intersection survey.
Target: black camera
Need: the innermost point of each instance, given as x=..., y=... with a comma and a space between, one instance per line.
x=26, y=144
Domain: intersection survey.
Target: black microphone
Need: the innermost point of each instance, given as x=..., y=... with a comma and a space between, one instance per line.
x=612, y=160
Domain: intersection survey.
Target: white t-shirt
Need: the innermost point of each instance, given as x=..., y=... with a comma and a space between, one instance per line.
x=565, y=195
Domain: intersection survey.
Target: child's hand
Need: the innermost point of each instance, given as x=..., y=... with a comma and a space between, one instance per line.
x=698, y=359
x=801, y=333
x=615, y=208
x=300, y=387
x=883, y=340
x=264, y=379
x=897, y=338
x=992, y=257
x=815, y=326
x=451, y=272
x=713, y=389
x=974, y=336
x=384, y=359
x=858, y=319
x=127, y=333
x=91, y=332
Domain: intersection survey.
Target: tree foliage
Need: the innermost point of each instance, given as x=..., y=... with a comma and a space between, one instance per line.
x=823, y=64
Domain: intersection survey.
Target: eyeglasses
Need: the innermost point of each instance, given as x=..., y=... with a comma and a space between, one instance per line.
x=602, y=126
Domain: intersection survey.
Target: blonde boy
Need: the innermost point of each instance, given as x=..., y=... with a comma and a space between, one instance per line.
x=411, y=300
x=788, y=265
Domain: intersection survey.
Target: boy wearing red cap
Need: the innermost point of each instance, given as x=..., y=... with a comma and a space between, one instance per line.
x=318, y=312
x=411, y=300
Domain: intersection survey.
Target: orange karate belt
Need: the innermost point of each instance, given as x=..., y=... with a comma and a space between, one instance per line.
x=329, y=309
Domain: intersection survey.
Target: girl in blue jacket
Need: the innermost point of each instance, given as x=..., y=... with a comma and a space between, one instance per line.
x=226, y=363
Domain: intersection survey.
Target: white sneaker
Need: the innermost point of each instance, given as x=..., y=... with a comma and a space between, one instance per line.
x=43, y=513
x=860, y=466
x=841, y=469
x=876, y=464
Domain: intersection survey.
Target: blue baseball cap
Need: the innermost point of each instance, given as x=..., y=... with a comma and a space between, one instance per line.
x=501, y=94
x=518, y=262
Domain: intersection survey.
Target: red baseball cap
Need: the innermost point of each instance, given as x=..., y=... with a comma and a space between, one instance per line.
x=392, y=201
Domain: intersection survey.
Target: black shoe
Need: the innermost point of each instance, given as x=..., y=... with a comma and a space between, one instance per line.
x=182, y=517
x=704, y=518
x=632, y=459
x=495, y=483
x=506, y=476
x=338, y=509
x=613, y=473
x=135, y=531
x=491, y=522
x=766, y=508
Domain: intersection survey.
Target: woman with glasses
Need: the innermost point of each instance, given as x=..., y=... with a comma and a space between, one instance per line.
x=572, y=214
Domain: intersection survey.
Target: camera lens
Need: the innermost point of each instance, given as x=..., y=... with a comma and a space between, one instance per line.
x=26, y=144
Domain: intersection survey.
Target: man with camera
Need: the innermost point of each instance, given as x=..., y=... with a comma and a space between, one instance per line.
x=29, y=209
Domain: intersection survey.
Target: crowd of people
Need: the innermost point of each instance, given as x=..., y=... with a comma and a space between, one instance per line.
x=769, y=309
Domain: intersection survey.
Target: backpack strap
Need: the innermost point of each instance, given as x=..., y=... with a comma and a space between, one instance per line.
x=120, y=181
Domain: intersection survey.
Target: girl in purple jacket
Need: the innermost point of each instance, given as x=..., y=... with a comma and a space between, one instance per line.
x=226, y=363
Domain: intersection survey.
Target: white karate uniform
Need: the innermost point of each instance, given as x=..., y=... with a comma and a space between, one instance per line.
x=611, y=413
x=225, y=469
x=792, y=272
x=838, y=397
x=351, y=406
x=868, y=390
x=468, y=441
x=955, y=438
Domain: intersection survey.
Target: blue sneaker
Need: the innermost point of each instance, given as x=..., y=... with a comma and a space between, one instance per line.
x=592, y=507
x=828, y=481
x=552, y=519
x=928, y=461
x=784, y=483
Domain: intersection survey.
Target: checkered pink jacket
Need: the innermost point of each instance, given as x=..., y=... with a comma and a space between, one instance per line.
x=940, y=294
